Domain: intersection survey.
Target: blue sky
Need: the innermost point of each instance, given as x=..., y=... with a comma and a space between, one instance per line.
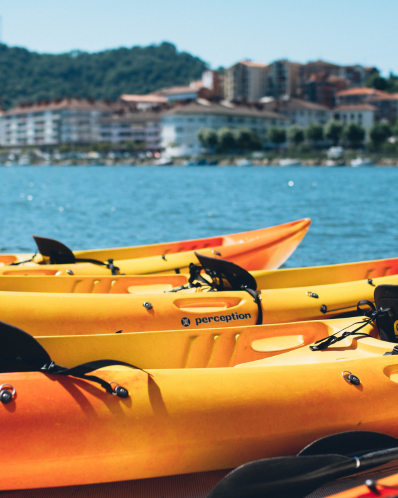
x=220, y=32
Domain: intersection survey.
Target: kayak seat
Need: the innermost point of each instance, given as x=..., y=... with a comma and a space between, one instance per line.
x=21, y=352
x=386, y=297
x=58, y=252
x=228, y=274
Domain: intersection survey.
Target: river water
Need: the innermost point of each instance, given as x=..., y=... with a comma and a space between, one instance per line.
x=354, y=212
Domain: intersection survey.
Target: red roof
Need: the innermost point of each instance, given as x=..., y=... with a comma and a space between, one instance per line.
x=253, y=64
x=360, y=91
x=355, y=107
x=152, y=99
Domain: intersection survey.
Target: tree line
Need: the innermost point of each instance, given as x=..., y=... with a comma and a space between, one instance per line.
x=351, y=134
x=30, y=76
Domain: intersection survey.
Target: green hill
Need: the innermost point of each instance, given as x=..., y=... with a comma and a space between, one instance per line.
x=29, y=76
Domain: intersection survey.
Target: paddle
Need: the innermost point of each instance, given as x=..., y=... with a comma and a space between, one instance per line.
x=298, y=476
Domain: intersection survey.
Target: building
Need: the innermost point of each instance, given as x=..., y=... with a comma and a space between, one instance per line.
x=362, y=114
x=387, y=106
x=245, y=81
x=320, y=81
x=358, y=95
x=283, y=79
x=300, y=112
x=144, y=102
x=139, y=127
x=357, y=75
x=180, y=125
x=46, y=123
x=214, y=81
x=195, y=90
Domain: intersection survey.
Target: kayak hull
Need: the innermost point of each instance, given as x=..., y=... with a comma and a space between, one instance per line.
x=64, y=431
x=104, y=305
x=267, y=248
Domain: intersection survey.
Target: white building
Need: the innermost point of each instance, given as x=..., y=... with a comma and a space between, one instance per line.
x=180, y=125
x=139, y=127
x=245, y=81
x=301, y=111
x=362, y=114
x=52, y=122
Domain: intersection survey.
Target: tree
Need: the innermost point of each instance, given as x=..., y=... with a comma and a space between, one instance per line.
x=276, y=135
x=353, y=133
x=226, y=139
x=243, y=138
x=30, y=76
x=247, y=140
x=208, y=138
x=379, y=133
x=377, y=82
x=394, y=129
x=296, y=134
x=314, y=132
x=202, y=136
x=333, y=131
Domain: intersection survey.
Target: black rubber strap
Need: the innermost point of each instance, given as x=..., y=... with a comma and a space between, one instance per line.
x=257, y=300
x=22, y=262
x=109, y=264
x=80, y=371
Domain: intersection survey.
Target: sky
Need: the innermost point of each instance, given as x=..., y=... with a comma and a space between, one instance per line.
x=221, y=32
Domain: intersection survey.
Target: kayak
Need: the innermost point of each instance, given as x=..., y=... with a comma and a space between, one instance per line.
x=267, y=248
x=105, y=304
x=373, y=487
x=189, y=410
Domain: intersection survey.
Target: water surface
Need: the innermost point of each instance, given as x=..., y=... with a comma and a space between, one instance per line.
x=353, y=211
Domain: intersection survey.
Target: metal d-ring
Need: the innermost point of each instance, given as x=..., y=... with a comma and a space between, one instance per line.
x=119, y=390
x=114, y=388
x=351, y=378
x=8, y=387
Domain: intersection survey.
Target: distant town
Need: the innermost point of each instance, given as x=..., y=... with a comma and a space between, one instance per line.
x=251, y=107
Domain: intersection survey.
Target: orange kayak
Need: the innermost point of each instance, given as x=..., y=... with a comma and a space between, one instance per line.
x=374, y=487
x=61, y=430
x=266, y=249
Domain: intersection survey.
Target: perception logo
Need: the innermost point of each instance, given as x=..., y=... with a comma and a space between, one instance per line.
x=186, y=322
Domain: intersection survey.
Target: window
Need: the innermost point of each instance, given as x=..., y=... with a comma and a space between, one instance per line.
x=179, y=129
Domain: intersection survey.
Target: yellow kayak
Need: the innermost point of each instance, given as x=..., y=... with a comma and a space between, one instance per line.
x=190, y=410
x=46, y=305
x=267, y=248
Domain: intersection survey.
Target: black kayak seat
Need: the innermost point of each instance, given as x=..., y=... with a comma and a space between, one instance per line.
x=19, y=351
x=58, y=252
x=236, y=276
x=386, y=297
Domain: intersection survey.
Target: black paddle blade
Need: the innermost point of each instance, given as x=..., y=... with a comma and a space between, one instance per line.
x=19, y=351
x=234, y=274
x=283, y=477
x=58, y=253
x=350, y=444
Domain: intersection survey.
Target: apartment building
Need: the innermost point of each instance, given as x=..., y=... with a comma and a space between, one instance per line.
x=300, y=112
x=139, y=127
x=283, y=79
x=68, y=121
x=386, y=104
x=362, y=114
x=357, y=95
x=180, y=125
x=245, y=81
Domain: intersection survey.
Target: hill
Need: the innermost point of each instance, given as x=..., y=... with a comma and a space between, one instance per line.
x=30, y=76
